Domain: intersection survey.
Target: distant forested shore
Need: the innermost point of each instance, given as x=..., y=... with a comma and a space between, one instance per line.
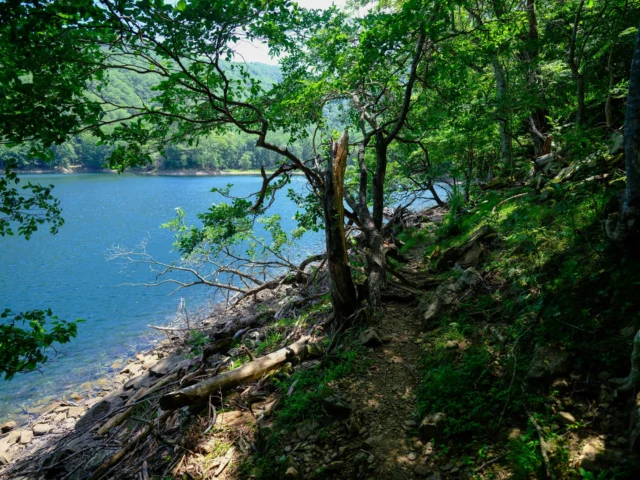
x=216, y=152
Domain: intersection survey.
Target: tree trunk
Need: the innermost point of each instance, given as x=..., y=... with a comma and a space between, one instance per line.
x=632, y=132
x=624, y=226
x=378, y=180
x=580, y=115
x=435, y=195
x=539, y=123
x=608, y=113
x=505, y=140
x=376, y=261
x=343, y=291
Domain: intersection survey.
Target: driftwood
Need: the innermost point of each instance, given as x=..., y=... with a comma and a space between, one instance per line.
x=251, y=371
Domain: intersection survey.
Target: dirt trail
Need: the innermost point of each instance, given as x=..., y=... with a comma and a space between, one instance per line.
x=384, y=398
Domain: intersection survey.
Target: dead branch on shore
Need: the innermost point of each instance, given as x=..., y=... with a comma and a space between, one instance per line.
x=233, y=276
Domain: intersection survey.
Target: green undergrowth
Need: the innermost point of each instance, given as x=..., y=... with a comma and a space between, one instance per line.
x=551, y=278
x=301, y=394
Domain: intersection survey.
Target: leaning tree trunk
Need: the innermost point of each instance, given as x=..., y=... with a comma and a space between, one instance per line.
x=343, y=291
x=624, y=226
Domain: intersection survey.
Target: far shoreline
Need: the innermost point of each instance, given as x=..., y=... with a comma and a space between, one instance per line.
x=153, y=173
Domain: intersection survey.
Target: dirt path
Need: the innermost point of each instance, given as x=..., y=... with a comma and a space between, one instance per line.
x=384, y=399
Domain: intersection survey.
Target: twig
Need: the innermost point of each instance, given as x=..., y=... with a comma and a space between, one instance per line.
x=489, y=462
x=543, y=448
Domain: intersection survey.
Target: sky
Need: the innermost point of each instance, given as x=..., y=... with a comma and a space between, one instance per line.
x=260, y=53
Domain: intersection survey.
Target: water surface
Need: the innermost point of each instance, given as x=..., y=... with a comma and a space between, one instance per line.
x=68, y=272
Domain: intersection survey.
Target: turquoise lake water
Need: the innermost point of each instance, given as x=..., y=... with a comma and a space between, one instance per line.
x=69, y=273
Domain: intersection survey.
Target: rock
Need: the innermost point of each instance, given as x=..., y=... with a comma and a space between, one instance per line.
x=590, y=454
x=233, y=418
x=354, y=426
x=75, y=412
x=337, y=466
x=561, y=384
x=370, y=338
x=605, y=395
x=5, y=458
x=422, y=470
x=432, y=427
x=305, y=429
x=548, y=362
x=566, y=418
x=336, y=407
x=454, y=254
x=628, y=332
x=412, y=456
x=132, y=368
x=137, y=382
x=447, y=466
x=100, y=410
x=372, y=441
x=166, y=365
x=60, y=417
x=472, y=257
x=292, y=473
x=9, y=440
x=616, y=145
x=26, y=436
x=469, y=279
x=41, y=429
x=8, y=426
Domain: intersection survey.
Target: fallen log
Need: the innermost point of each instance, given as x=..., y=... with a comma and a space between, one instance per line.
x=247, y=373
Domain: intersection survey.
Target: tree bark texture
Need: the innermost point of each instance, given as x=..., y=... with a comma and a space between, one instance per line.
x=343, y=291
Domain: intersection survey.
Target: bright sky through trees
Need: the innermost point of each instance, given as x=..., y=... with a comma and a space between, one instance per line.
x=258, y=52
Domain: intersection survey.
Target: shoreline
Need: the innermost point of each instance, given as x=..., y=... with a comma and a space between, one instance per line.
x=76, y=414
x=153, y=173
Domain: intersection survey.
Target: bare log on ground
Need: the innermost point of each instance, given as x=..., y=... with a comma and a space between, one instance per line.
x=244, y=374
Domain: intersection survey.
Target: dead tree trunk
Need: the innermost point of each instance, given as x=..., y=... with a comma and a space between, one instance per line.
x=343, y=291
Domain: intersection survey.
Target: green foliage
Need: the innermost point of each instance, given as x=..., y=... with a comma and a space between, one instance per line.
x=28, y=205
x=196, y=341
x=269, y=344
x=24, y=339
x=310, y=383
x=524, y=455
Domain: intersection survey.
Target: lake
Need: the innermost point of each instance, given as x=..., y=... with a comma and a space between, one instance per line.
x=69, y=273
